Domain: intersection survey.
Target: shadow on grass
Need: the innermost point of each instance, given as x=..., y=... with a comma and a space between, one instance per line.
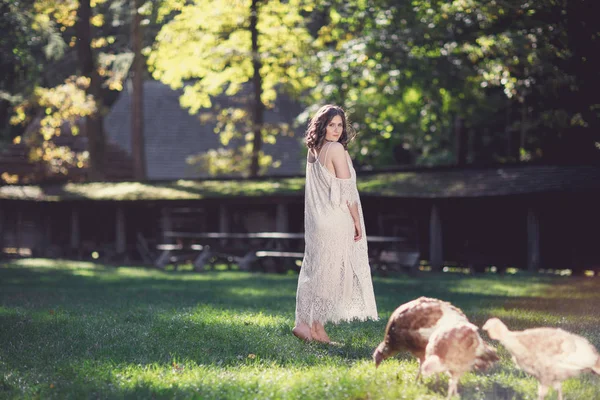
x=104, y=288
x=495, y=391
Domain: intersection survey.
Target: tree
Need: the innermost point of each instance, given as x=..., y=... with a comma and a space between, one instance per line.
x=518, y=74
x=218, y=47
x=137, y=105
x=393, y=94
x=30, y=44
x=52, y=24
x=543, y=56
x=94, y=122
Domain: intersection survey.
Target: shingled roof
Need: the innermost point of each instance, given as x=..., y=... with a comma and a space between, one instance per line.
x=418, y=184
x=171, y=134
x=453, y=182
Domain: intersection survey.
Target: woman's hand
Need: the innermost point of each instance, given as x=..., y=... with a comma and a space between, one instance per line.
x=356, y=219
x=357, y=231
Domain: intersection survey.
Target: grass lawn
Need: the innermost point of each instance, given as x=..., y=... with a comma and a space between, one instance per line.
x=79, y=330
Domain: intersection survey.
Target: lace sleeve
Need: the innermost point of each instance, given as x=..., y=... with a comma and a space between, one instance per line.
x=343, y=192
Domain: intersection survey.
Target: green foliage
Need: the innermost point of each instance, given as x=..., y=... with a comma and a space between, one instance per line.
x=50, y=89
x=406, y=70
x=64, y=106
x=209, y=43
x=206, y=50
x=519, y=74
x=235, y=160
x=19, y=67
x=392, y=93
x=78, y=330
x=542, y=55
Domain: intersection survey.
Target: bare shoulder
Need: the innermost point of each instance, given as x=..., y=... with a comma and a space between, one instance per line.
x=336, y=146
x=337, y=150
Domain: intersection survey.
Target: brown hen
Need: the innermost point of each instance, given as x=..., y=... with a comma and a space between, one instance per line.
x=411, y=325
x=551, y=355
x=456, y=349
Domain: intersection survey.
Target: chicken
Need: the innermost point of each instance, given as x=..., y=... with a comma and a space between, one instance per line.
x=456, y=349
x=551, y=355
x=411, y=325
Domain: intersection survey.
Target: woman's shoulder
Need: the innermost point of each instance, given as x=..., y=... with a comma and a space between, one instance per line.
x=336, y=148
x=338, y=152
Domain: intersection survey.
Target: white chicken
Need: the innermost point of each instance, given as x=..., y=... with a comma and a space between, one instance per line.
x=456, y=349
x=411, y=325
x=551, y=355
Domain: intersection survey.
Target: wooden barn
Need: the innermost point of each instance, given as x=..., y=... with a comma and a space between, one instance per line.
x=522, y=216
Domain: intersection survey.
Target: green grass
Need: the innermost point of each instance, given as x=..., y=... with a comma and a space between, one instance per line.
x=78, y=330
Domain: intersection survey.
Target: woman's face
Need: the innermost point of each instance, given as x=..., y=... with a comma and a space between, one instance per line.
x=335, y=127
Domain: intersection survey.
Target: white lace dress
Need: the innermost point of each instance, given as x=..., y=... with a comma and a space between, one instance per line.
x=335, y=279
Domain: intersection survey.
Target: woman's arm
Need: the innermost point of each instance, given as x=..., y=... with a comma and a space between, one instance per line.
x=339, y=161
x=357, y=228
x=342, y=171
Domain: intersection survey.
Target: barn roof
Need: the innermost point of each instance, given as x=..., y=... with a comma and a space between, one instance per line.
x=172, y=135
x=418, y=183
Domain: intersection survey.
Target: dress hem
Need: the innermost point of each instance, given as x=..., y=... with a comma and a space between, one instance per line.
x=340, y=320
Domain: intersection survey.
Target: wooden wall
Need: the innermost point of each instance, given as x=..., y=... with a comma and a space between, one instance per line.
x=546, y=231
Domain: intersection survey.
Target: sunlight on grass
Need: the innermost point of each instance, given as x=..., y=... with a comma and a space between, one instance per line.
x=231, y=318
x=136, y=272
x=80, y=330
x=537, y=318
x=249, y=291
x=494, y=287
x=53, y=264
x=251, y=379
x=83, y=272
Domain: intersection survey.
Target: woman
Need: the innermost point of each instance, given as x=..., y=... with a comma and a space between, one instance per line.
x=335, y=278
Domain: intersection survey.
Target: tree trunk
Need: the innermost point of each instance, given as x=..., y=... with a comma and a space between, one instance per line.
x=4, y=106
x=508, y=132
x=94, y=126
x=462, y=141
x=523, y=129
x=258, y=106
x=137, y=95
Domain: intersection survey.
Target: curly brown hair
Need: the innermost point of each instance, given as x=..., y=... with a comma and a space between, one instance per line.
x=317, y=127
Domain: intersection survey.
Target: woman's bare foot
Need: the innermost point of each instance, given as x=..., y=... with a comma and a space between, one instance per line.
x=302, y=332
x=318, y=333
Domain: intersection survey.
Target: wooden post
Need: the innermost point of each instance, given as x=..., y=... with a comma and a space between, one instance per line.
x=45, y=231
x=533, y=241
x=1, y=229
x=436, y=256
x=223, y=222
x=48, y=236
x=281, y=219
x=281, y=222
x=120, y=234
x=166, y=224
x=75, y=237
x=223, y=219
x=19, y=231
